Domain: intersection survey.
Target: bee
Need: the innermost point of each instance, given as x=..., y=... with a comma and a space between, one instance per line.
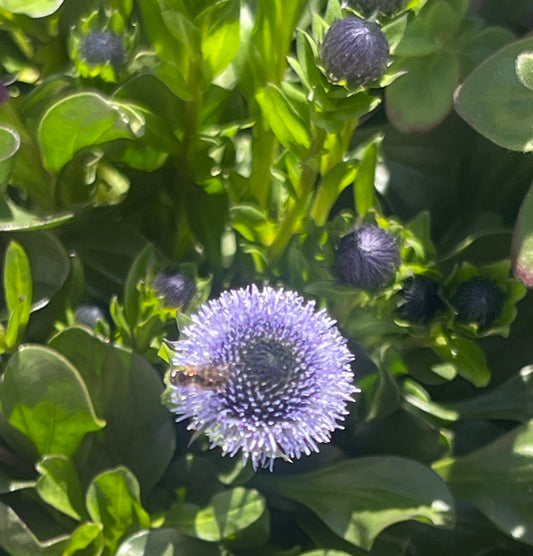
x=206, y=376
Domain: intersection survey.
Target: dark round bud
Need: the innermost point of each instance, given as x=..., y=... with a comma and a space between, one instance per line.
x=176, y=288
x=368, y=257
x=385, y=7
x=101, y=47
x=355, y=51
x=478, y=300
x=89, y=315
x=422, y=301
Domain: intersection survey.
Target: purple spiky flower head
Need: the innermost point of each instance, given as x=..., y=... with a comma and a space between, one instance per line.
x=262, y=373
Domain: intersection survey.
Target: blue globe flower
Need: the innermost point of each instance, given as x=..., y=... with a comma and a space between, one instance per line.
x=261, y=373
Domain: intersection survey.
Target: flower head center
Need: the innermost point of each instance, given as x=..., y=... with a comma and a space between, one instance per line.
x=268, y=363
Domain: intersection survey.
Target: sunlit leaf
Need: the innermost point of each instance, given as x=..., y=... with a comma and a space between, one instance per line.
x=359, y=498
x=497, y=480
x=44, y=397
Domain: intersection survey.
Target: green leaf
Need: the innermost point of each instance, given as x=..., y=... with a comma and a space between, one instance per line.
x=126, y=391
x=81, y=120
x=137, y=273
x=17, y=539
x=497, y=480
x=364, y=181
x=227, y=513
x=113, y=499
x=9, y=145
x=496, y=103
x=49, y=264
x=59, y=485
x=32, y=8
x=524, y=69
x=18, y=291
x=271, y=39
x=87, y=540
x=14, y=218
x=219, y=27
x=512, y=400
x=423, y=97
x=522, y=245
x=44, y=397
x=331, y=186
x=359, y=498
x=283, y=119
x=466, y=356
x=165, y=542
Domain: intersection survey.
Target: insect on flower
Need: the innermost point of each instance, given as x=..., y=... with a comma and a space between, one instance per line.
x=207, y=376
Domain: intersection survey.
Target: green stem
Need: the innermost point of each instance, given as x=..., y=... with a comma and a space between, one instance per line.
x=298, y=209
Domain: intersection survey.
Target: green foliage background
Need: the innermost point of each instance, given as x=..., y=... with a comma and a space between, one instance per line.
x=221, y=148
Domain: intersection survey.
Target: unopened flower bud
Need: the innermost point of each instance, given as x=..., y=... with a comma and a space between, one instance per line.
x=367, y=257
x=421, y=299
x=354, y=51
x=478, y=300
x=102, y=47
x=176, y=288
x=89, y=315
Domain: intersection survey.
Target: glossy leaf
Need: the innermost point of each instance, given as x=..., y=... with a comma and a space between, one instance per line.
x=364, y=181
x=228, y=512
x=17, y=539
x=282, y=118
x=32, y=8
x=160, y=542
x=49, y=264
x=18, y=291
x=496, y=103
x=359, y=498
x=45, y=398
x=82, y=120
x=524, y=69
x=9, y=145
x=522, y=246
x=466, y=357
x=14, y=218
x=497, y=480
x=87, y=539
x=423, y=97
x=113, y=499
x=219, y=27
x=59, y=485
x=126, y=392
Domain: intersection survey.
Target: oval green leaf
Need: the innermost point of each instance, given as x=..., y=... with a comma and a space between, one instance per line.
x=59, y=485
x=113, y=499
x=44, y=397
x=497, y=480
x=162, y=542
x=495, y=102
x=359, y=498
x=423, y=97
x=32, y=8
x=82, y=120
x=9, y=142
x=227, y=513
x=126, y=392
x=522, y=245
